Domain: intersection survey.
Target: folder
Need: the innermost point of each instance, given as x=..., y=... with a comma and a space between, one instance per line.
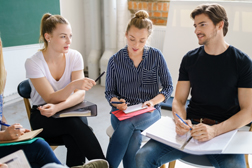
x=123, y=116
x=84, y=108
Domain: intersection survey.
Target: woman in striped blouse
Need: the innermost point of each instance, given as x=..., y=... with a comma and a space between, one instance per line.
x=134, y=75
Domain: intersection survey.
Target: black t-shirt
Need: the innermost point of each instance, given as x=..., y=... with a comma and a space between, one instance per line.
x=215, y=81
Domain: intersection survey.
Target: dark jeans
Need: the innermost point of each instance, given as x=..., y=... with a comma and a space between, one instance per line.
x=38, y=153
x=78, y=138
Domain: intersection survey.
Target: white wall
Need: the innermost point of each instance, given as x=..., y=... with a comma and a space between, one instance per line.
x=73, y=11
x=180, y=37
x=14, y=59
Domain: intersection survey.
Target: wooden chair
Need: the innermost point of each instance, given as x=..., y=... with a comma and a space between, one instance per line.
x=194, y=160
x=110, y=132
x=24, y=90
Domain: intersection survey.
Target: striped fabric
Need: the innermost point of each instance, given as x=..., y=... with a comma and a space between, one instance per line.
x=137, y=85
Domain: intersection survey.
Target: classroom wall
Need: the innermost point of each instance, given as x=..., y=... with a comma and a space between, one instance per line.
x=180, y=37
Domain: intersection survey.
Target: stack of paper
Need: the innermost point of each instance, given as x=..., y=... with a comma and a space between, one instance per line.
x=164, y=131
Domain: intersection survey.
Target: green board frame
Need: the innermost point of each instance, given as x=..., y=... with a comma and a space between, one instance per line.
x=20, y=20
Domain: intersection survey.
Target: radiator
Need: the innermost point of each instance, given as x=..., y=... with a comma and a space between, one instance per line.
x=157, y=37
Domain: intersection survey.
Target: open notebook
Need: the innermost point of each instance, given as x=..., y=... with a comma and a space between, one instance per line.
x=164, y=131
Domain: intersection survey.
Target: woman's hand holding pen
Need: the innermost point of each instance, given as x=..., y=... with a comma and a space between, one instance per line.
x=83, y=84
x=122, y=106
x=14, y=132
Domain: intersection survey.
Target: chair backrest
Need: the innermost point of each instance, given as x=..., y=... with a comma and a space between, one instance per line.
x=24, y=89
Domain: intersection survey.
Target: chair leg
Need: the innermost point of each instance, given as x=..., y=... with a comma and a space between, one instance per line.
x=163, y=166
x=172, y=164
x=247, y=161
x=53, y=147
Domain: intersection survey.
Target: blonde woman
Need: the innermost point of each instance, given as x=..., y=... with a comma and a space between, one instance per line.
x=39, y=152
x=57, y=80
x=134, y=75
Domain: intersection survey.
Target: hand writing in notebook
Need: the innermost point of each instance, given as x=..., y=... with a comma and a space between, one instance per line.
x=203, y=132
x=13, y=132
x=182, y=125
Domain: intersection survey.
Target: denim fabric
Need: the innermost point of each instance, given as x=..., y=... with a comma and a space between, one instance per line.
x=38, y=153
x=154, y=154
x=127, y=138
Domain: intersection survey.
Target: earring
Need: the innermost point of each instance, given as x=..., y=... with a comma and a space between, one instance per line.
x=49, y=41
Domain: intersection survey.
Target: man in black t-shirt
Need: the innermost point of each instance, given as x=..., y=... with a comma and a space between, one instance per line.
x=220, y=79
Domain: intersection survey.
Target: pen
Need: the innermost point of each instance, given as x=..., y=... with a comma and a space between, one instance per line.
x=7, y=125
x=113, y=102
x=11, y=160
x=182, y=120
x=99, y=76
x=1, y=123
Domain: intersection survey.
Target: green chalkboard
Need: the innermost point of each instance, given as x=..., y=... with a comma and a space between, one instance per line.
x=20, y=20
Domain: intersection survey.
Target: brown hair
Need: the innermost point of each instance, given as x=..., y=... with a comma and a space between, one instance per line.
x=2, y=69
x=215, y=12
x=48, y=24
x=140, y=21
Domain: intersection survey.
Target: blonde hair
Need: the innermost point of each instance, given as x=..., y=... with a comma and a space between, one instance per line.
x=2, y=69
x=48, y=24
x=140, y=21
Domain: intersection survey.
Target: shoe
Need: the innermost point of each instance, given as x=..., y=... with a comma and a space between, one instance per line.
x=96, y=163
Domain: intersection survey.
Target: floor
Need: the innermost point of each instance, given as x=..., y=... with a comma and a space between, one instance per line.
x=15, y=113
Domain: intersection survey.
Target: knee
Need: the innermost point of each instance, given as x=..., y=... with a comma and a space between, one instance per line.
x=41, y=144
x=142, y=156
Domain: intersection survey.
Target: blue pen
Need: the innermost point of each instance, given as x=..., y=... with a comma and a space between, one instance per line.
x=1, y=123
x=7, y=125
x=182, y=120
x=113, y=102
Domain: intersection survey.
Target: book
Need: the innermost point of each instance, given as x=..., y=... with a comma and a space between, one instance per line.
x=84, y=108
x=164, y=131
x=134, y=108
x=123, y=116
x=25, y=136
x=16, y=159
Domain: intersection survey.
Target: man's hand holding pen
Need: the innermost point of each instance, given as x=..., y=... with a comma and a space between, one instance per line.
x=182, y=126
x=201, y=132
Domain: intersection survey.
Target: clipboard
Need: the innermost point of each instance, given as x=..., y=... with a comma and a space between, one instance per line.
x=25, y=136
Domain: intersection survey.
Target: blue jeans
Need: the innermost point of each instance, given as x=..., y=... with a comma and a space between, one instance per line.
x=38, y=153
x=154, y=154
x=127, y=138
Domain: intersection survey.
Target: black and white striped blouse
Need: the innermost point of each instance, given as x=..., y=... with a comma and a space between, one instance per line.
x=137, y=85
